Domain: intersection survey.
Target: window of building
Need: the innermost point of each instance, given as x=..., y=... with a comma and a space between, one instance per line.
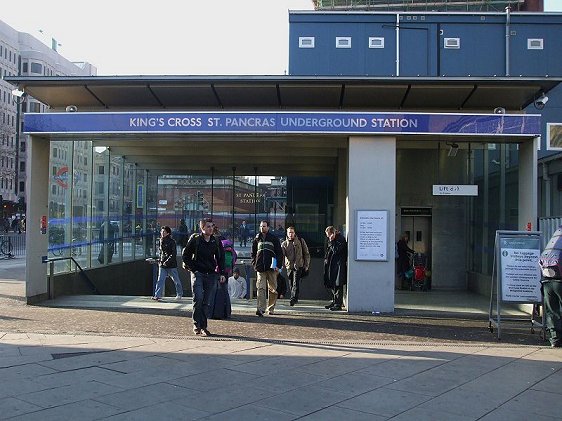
x=24, y=67
x=36, y=68
x=22, y=166
x=34, y=107
x=343, y=42
x=535, y=44
x=376, y=42
x=452, y=43
x=22, y=186
x=306, y=42
x=101, y=169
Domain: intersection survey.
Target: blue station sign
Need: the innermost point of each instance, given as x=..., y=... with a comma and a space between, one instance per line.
x=284, y=122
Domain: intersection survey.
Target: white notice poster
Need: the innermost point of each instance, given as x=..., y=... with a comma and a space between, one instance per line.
x=372, y=235
x=520, y=273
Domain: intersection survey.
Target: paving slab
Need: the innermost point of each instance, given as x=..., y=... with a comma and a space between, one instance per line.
x=85, y=410
x=385, y=401
x=132, y=358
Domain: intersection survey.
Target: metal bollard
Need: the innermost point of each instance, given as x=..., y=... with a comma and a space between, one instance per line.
x=51, y=282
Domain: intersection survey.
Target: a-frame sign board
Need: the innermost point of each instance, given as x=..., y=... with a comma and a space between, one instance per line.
x=516, y=276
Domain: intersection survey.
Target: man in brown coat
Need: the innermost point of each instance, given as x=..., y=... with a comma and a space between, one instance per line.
x=297, y=261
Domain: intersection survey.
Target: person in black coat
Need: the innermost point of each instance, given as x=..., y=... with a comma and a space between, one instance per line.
x=203, y=256
x=403, y=261
x=335, y=267
x=167, y=265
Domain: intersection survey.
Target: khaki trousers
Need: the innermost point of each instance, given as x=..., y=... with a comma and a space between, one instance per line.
x=266, y=281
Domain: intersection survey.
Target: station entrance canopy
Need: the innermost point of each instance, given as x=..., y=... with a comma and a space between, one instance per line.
x=346, y=128
x=467, y=94
x=143, y=117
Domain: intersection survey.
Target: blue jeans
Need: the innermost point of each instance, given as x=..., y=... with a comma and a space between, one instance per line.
x=163, y=273
x=204, y=287
x=553, y=310
x=294, y=281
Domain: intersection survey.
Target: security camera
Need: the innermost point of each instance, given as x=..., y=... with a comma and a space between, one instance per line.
x=71, y=108
x=541, y=101
x=499, y=110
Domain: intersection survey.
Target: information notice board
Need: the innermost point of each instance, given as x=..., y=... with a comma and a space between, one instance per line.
x=516, y=276
x=372, y=235
x=519, y=269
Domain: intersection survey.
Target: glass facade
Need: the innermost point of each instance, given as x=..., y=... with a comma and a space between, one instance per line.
x=495, y=169
x=97, y=207
x=105, y=210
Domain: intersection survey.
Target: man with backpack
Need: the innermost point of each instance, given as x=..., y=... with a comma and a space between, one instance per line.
x=267, y=258
x=297, y=261
x=203, y=256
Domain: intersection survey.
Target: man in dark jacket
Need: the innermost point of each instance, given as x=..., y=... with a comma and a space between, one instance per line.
x=267, y=258
x=335, y=267
x=403, y=260
x=243, y=231
x=167, y=264
x=203, y=256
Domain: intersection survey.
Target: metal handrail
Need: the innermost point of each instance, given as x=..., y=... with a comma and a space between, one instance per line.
x=52, y=260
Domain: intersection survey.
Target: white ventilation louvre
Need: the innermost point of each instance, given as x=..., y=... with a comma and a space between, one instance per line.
x=376, y=42
x=306, y=42
x=343, y=42
x=535, y=44
x=452, y=43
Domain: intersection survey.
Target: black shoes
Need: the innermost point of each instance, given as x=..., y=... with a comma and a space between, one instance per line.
x=259, y=313
x=556, y=344
x=329, y=306
x=293, y=302
x=196, y=330
x=205, y=332
x=336, y=308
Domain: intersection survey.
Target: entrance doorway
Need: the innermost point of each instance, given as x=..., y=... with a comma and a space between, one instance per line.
x=416, y=222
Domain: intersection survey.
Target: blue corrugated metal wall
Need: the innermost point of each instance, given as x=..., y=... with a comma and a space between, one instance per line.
x=482, y=40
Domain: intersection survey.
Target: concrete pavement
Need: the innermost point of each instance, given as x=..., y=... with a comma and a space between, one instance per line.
x=129, y=358
x=88, y=377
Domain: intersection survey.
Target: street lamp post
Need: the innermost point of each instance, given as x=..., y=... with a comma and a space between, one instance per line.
x=19, y=98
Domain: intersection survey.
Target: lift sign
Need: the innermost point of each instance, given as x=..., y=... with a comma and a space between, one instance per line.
x=455, y=190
